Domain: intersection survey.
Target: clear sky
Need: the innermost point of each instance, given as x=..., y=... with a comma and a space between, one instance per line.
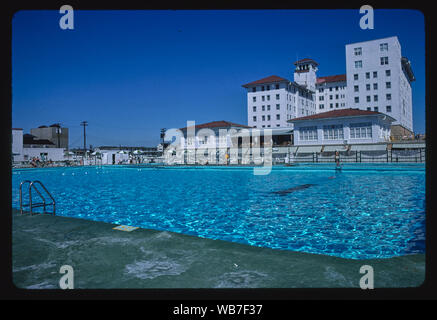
x=131, y=73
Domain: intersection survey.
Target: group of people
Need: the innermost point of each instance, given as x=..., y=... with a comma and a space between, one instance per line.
x=36, y=162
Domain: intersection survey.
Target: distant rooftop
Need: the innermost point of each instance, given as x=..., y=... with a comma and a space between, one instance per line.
x=305, y=60
x=327, y=79
x=340, y=113
x=270, y=79
x=218, y=124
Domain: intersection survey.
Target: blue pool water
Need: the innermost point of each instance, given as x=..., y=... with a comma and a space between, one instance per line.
x=363, y=212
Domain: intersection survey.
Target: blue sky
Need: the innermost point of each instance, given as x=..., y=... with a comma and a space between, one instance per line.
x=131, y=73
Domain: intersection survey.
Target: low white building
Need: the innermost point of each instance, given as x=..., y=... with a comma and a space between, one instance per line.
x=25, y=147
x=342, y=127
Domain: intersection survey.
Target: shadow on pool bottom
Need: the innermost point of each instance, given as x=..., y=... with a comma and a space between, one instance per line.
x=102, y=257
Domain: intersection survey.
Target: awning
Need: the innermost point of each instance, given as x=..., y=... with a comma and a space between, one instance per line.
x=309, y=149
x=368, y=147
x=408, y=145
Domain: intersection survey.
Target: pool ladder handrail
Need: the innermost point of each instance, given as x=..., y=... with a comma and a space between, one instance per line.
x=32, y=184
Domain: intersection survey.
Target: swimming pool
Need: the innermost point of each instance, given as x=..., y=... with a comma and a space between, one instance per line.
x=362, y=212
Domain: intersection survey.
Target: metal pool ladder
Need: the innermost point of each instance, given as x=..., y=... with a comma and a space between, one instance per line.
x=44, y=204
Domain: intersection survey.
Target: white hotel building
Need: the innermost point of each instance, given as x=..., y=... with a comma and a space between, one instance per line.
x=377, y=78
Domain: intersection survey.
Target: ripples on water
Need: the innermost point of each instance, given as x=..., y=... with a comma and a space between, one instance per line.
x=358, y=214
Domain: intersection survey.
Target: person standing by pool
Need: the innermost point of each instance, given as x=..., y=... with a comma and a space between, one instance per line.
x=337, y=158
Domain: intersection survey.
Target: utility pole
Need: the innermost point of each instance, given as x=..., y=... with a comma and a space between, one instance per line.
x=84, y=124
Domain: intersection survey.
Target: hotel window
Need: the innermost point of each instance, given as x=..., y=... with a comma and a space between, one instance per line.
x=333, y=132
x=278, y=117
x=322, y=106
x=268, y=107
x=387, y=73
x=254, y=118
x=321, y=98
x=369, y=109
x=277, y=86
x=263, y=108
x=368, y=98
x=367, y=75
x=368, y=87
x=330, y=96
x=330, y=89
x=278, y=125
x=357, y=99
x=375, y=97
x=254, y=109
x=277, y=97
x=388, y=85
x=336, y=96
x=375, y=74
x=360, y=130
x=336, y=88
x=355, y=88
x=357, y=51
x=262, y=88
x=375, y=109
x=358, y=64
x=388, y=108
x=264, y=118
x=356, y=76
x=321, y=90
x=268, y=98
x=268, y=117
x=384, y=60
x=277, y=107
x=308, y=133
x=254, y=89
x=383, y=47
x=388, y=96
x=336, y=105
x=375, y=86
x=268, y=88
x=331, y=105
x=254, y=99
x=263, y=98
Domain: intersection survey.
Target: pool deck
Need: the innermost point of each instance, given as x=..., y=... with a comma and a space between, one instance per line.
x=105, y=258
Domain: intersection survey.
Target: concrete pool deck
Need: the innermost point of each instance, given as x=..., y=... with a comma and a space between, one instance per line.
x=103, y=258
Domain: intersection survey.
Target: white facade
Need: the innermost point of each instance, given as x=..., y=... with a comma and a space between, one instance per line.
x=17, y=145
x=273, y=101
x=113, y=156
x=342, y=130
x=378, y=79
x=331, y=93
x=46, y=154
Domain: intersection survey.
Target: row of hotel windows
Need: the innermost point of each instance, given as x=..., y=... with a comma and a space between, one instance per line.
x=375, y=74
x=263, y=98
x=330, y=88
x=331, y=97
x=383, y=47
x=263, y=108
x=278, y=117
x=375, y=86
x=387, y=109
x=290, y=88
x=331, y=105
x=265, y=88
x=375, y=98
x=359, y=63
x=335, y=132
